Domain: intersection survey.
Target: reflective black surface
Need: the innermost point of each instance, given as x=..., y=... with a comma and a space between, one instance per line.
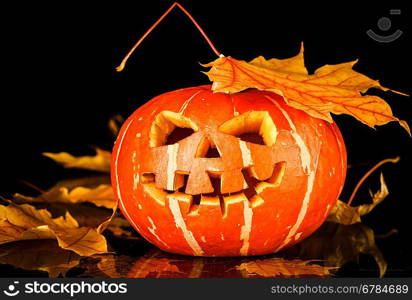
x=349, y=251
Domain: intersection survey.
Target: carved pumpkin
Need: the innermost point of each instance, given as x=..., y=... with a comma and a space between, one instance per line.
x=211, y=174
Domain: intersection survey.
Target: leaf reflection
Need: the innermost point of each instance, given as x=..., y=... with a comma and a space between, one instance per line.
x=44, y=255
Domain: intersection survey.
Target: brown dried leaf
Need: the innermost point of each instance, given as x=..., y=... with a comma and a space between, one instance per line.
x=337, y=244
x=334, y=89
x=98, y=162
x=101, y=196
x=345, y=214
x=25, y=222
x=276, y=266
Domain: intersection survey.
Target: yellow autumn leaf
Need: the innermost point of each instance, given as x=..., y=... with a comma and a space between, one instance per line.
x=99, y=162
x=293, y=64
x=276, y=266
x=101, y=196
x=25, y=222
x=345, y=214
x=334, y=89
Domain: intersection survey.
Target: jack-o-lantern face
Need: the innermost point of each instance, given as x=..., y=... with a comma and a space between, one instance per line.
x=215, y=161
x=200, y=173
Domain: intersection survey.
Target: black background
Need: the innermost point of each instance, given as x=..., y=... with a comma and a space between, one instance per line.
x=60, y=86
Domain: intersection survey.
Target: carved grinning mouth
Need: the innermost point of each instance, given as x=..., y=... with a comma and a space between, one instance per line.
x=252, y=192
x=219, y=165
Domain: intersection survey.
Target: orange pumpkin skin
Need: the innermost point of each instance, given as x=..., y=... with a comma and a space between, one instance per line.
x=159, y=186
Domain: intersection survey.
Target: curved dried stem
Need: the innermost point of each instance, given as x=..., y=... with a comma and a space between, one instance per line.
x=31, y=185
x=392, y=160
x=123, y=63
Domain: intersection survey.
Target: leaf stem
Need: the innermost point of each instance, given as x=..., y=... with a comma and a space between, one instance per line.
x=392, y=160
x=31, y=185
x=123, y=63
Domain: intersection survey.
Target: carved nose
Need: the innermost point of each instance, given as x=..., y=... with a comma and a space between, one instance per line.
x=203, y=169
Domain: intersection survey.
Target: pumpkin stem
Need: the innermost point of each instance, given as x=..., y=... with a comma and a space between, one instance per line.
x=123, y=63
x=392, y=160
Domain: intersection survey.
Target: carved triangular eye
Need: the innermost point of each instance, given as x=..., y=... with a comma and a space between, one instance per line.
x=178, y=134
x=253, y=126
x=252, y=137
x=169, y=127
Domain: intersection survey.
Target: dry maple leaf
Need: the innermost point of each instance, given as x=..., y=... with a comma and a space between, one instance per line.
x=334, y=89
x=101, y=196
x=98, y=162
x=25, y=222
x=276, y=266
x=337, y=244
x=345, y=214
